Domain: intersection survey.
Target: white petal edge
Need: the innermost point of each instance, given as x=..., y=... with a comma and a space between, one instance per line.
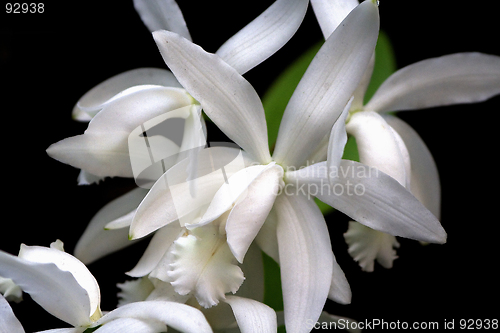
x=132, y=325
x=96, y=242
x=8, y=321
x=68, y=263
x=306, y=260
x=380, y=202
x=55, y=290
x=103, y=149
x=425, y=184
x=265, y=35
x=251, y=211
x=95, y=97
x=330, y=13
x=252, y=316
x=327, y=86
x=179, y=316
x=226, y=97
x=340, y=290
x=162, y=15
x=451, y=79
x=170, y=198
x=377, y=145
x=338, y=139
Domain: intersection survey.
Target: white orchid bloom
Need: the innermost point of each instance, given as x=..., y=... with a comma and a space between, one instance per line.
x=296, y=231
x=388, y=143
x=64, y=287
x=243, y=310
x=125, y=102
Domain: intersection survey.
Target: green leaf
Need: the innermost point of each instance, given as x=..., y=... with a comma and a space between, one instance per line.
x=385, y=64
x=277, y=96
x=273, y=295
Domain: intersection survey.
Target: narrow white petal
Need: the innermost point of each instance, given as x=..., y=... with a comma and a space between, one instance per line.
x=327, y=85
x=158, y=246
x=171, y=198
x=226, y=97
x=95, y=97
x=8, y=321
x=251, y=211
x=266, y=238
x=367, y=245
x=132, y=325
x=179, y=316
x=162, y=15
x=103, y=149
x=96, y=242
x=252, y=316
x=451, y=79
x=338, y=139
x=372, y=198
x=330, y=13
x=305, y=259
x=340, y=290
x=57, y=291
x=425, y=184
x=377, y=145
x=264, y=35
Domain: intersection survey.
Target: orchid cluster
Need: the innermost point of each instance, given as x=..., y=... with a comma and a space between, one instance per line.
x=213, y=209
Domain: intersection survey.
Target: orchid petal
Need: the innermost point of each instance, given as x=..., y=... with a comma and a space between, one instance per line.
x=96, y=242
x=179, y=316
x=330, y=13
x=249, y=213
x=264, y=35
x=132, y=325
x=327, y=85
x=266, y=238
x=103, y=149
x=204, y=266
x=366, y=245
x=226, y=97
x=56, y=290
x=305, y=259
x=65, y=330
x=158, y=246
x=338, y=139
x=91, y=102
x=236, y=188
x=377, y=145
x=162, y=15
x=451, y=79
x=171, y=199
x=252, y=316
x=372, y=198
x=425, y=184
x=340, y=290
x=68, y=263
x=8, y=321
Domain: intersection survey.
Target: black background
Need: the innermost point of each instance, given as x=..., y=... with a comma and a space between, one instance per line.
x=49, y=60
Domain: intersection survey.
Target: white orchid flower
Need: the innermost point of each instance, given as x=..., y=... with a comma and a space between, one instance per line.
x=244, y=310
x=388, y=143
x=65, y=288
x=296, y=231
x=124, y=103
